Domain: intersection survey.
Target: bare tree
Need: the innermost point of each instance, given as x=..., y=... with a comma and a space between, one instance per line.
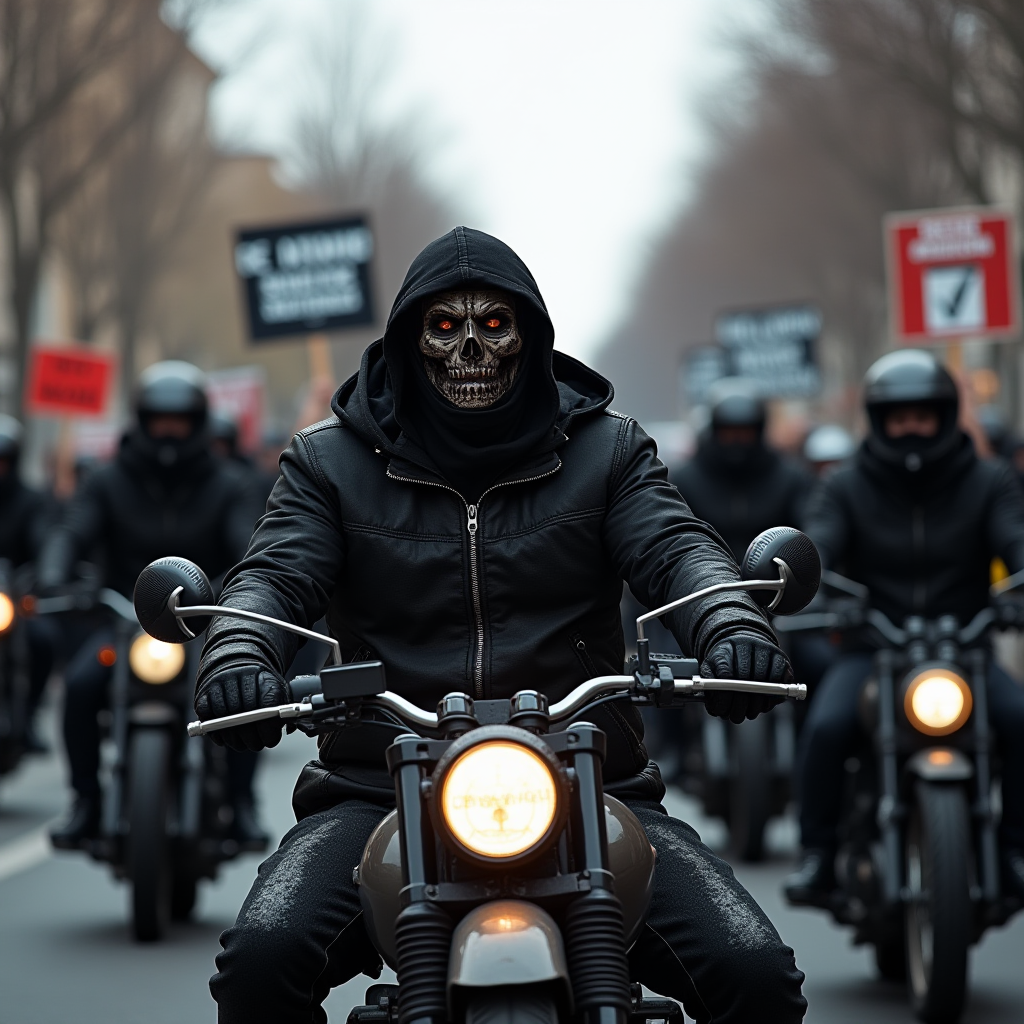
x=120, y=232
x=354, y=159
x=961, y=62
x=807, y=158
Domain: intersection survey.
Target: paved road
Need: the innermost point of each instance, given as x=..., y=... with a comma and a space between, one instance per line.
x=65, y=953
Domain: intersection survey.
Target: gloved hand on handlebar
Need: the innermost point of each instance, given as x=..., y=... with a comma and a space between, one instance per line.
x=744, y=656
x=237, y=688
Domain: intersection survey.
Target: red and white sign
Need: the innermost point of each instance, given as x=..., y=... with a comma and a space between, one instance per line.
x=69, y=381
x=239, y=393
x=953, y=273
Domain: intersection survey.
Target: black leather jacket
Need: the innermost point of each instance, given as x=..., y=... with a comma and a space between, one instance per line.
x=921, y=542
x=25, y=517
x=519, y=591
x=131, y=512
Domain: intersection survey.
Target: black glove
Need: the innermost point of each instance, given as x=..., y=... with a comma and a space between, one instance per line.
x=744, y=656
x=243, y=688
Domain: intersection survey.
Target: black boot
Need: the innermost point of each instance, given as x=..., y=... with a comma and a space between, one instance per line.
x=82, y=822
x=246, y=829
x=1013, y=873
x=812, y=882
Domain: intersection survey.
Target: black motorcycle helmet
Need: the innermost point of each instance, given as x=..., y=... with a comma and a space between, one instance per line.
x=736, y=403
x=173, y=388
x=911, y=377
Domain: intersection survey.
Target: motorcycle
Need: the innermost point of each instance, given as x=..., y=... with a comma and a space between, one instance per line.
x=505, y=881
x=165, y=817
x=918, y=866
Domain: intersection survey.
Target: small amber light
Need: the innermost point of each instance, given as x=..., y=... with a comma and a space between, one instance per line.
x=6, y=613
x=940, y=757
x=27, y=605
x=106, y=656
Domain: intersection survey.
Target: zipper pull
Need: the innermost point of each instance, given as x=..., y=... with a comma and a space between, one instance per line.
x=471, y=523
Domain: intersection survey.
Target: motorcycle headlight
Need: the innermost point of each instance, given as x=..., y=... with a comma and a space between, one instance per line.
x=153, y=661
x=937, y=701
x=6, y=613
x=498, y=794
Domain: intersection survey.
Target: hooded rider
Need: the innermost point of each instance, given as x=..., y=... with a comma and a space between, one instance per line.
x=467, y=514
x=917, y=518
x=735, y=481
x=164, y=493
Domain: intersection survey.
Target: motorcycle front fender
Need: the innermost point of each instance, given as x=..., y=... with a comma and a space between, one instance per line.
x=940, y=764
x=507, y=942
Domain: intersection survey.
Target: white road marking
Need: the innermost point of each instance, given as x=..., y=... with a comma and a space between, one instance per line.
x=25, y=852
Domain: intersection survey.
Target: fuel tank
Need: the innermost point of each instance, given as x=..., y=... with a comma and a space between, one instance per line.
x=630, y=857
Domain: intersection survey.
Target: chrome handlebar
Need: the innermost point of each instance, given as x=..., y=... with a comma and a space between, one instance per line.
x=584, y=694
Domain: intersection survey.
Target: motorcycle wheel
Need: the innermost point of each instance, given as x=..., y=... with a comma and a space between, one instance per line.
x=750, y=797
x=938, y=912
x=149, y=862
x=510, y=1006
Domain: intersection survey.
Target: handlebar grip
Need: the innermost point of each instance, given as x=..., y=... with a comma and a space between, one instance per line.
x=303, y=687
x=296, y=710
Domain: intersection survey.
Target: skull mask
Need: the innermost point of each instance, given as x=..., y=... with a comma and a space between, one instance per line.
x=471, y=346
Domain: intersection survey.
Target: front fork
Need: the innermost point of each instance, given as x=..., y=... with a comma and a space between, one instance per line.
x=890, y=810
x=593, y=930
x=987, y=846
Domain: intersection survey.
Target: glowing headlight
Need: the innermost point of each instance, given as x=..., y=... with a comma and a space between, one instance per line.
x=6, y=613
x=153, y=661
x=938, y=701
x=499, y=799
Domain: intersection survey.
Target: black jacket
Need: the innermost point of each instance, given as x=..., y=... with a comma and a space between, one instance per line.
x=922, y=544
x=740, y=501
x=131, y=512
x=25, y=518
x=519, y=591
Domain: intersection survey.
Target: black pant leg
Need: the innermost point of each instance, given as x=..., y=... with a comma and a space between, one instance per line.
x=1006, y=712
x=86, y=684
x=300, y=931
x=41, y=641
x=830, y=735
x=706, y=941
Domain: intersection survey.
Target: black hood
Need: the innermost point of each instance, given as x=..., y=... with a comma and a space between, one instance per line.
x=393, y=405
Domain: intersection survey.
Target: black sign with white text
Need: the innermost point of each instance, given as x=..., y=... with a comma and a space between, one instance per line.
x=306, y=278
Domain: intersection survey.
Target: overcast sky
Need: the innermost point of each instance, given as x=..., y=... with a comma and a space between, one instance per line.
x=566, y=127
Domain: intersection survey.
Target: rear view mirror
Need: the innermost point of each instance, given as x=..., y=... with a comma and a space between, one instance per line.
x=153, y=590
x=789, y=555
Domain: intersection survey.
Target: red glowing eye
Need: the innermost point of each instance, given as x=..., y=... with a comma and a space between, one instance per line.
x=445, y=325
x=493, y=323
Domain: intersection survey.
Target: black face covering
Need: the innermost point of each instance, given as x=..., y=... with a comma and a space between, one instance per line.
x=472, y=448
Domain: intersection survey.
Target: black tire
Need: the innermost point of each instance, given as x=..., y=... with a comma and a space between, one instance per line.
x=751, y=789
x=149, y=860
x=510, y=1005
x=938, y=912
x=183, y=895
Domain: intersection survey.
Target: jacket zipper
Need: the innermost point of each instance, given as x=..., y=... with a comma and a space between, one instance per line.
x=472, y=526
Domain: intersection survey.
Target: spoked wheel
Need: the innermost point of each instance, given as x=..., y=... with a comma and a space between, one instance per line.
x=510, y=1005
x=751, y=790
x=149, y=860
x=938, y=913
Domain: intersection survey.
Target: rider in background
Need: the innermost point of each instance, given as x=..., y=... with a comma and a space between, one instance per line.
x=163, y=494
x=735, y=481
x=25, y=516
x=917, y=518
x=828, y=447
